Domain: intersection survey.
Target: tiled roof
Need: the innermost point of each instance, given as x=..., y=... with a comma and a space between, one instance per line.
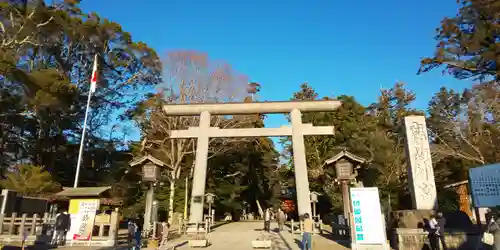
x=83, y=191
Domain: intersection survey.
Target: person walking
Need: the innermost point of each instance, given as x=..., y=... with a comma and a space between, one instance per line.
x=494, y=228
x=433, y=233
x=281, y=219
x=164, y=234
x=131, y=229
x=138, y=234
x=62, y=226
x=267, y=220
x=307, y=233
x=441, y=223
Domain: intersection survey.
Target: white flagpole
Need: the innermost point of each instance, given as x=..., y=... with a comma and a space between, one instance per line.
x=82, y=142
x=93, y=80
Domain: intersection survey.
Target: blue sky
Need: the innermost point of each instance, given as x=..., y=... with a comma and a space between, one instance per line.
x=338, y=47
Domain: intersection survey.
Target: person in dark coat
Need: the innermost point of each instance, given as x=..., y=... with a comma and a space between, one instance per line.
x=494, y=228
x=432, y=228
x=441, y=223
x=62, y=226
x=131, y=228
x=138, y=233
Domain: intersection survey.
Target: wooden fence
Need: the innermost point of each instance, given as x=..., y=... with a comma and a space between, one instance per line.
x=15, y=228
x=36, y=229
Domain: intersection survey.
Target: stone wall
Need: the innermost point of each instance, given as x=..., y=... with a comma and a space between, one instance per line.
x=417, y=239
x=408, y=230
x=409, y=218
x=457, y=220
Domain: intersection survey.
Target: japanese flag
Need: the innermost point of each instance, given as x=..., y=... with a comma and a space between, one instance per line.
x=93, y=79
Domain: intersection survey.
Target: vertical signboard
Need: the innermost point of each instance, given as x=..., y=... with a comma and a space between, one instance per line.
x=368, y=227
x=82, y=214
x=485, y=185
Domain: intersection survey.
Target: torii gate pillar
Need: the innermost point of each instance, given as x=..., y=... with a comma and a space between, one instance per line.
x=204, y=132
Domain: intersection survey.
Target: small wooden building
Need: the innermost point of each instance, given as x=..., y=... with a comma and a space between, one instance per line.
x=75, y=195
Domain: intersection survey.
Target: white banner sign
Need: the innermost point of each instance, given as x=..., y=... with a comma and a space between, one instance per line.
x=485, y=185
x=367, y=217
x=82, y=224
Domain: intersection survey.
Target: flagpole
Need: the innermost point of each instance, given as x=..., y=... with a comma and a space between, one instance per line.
x=82, y=142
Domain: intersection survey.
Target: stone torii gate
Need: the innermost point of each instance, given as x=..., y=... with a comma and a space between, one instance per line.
x=203, y=132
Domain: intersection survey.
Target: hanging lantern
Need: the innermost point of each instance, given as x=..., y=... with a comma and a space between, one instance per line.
x=210, y=198
x=150, y=172
x=344, y=170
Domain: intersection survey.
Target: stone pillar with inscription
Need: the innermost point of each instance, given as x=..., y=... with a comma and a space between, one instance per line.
x=420, y=169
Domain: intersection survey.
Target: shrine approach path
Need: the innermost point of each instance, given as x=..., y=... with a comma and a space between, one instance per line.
x=239, y=235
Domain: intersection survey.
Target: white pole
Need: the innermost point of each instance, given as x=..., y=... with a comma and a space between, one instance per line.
x=80, y=153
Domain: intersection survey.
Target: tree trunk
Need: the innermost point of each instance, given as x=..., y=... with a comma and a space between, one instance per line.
x=171, y=202
x=261, y=212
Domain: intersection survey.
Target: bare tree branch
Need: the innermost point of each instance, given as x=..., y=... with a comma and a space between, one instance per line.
x=2, y=27
x=189, y=78
x=233, y=174
x=473, y=134
x=16, y=19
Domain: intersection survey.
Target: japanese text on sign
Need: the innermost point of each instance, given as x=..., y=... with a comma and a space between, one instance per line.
x=485, y=185
x=82, y=222
x=367, y=222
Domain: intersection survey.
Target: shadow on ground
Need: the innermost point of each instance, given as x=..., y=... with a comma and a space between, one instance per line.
x=342, y=242
x=31, y=247
x=298, y=242
x=279, y=243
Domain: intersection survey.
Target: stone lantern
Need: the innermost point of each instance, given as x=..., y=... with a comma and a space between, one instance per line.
x=150, y=169
x=346, y=166
x=210, y=198
x=314, y=200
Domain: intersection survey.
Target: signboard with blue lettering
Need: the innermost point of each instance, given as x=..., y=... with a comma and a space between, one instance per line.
x=485, y=185
x=368, y=223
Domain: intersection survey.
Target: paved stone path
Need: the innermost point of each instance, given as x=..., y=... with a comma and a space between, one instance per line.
x=239, y=235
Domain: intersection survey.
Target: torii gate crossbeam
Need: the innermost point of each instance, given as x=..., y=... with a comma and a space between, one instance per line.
x=203, y=132
x=307, y=129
